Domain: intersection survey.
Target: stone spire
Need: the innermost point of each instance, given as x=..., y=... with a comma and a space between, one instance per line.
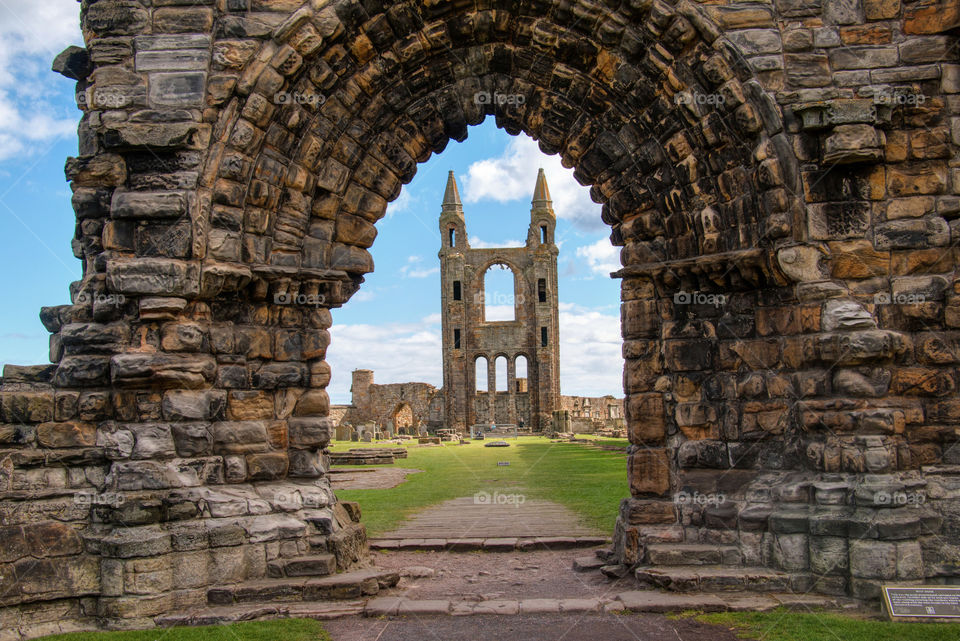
x=451, y=197
x=541, y=195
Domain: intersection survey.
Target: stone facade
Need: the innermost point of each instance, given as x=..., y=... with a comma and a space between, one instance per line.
x=468, y=336
x=780, y=177
x=412, y=408
x=395, y=408
x=588, y=414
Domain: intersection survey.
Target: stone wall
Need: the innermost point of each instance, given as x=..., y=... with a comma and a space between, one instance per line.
x=779, y=178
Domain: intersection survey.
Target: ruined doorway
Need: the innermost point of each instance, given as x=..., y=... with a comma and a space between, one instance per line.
x=404, y=421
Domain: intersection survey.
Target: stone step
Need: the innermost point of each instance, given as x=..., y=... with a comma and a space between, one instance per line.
x=718, y=578
x=664, y=554
x=499, y=544
x=349, y=585
x=225, y=614
x=316, y=565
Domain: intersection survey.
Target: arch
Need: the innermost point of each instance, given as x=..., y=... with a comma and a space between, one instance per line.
x=521, y=372
x=404, y=420
x=481, y=373
x=232, y=207
x=502, y=370
x=501, y=297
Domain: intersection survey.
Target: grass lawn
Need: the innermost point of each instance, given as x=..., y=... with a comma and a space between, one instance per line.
x=285, y=630
x=783, y=625
x=591, y=482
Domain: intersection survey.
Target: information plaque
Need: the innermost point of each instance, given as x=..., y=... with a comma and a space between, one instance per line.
x=930, y=601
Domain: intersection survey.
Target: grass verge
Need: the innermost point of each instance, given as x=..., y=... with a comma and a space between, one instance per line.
x=286, y=629
x=784, y=625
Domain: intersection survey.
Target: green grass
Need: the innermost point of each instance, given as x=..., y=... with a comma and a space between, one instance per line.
x=783, y=625
x=590, y=482
x=287, y=630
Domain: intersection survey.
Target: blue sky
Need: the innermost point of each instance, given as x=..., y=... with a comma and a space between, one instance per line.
x=392, y=325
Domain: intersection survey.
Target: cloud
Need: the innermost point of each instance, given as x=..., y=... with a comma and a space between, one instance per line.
x=477, y=243
x=591, y=361
x=513, y=175
x=413, y=269
x=32, y=33
x=590, y=353
x=396, y=352
x=404, y=202
x=601, y=257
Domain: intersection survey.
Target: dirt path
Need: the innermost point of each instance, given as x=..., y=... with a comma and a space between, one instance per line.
x=380, y=478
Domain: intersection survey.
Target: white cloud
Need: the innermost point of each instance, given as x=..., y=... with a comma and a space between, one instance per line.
x=477, y=243
x=601, y=257
x=403, y=203
x=32, y=33
x=513, y=176
x=414, y=269
x=591, y=361
x=396, y=352
x=590, y=358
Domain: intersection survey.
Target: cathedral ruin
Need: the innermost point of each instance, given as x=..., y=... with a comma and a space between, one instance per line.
x=532, y=337
x=780, y=178
x=528, y=346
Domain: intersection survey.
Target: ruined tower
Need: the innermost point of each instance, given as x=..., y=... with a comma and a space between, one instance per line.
x=531, y=336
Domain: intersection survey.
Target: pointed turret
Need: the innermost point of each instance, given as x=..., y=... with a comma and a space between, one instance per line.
x=451, y=196
x=541, y=193
x=543, y=220
x=452, y=222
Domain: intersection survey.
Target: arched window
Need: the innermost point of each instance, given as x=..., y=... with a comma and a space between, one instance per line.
x=499, y=299
x=501, y=381
x=542, y=290
x=520, y=373
x=543, y=234
x=480, y=369
x=452, y=237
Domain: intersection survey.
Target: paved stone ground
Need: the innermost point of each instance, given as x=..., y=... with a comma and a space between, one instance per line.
x=517, y=575
x=535, y=627
x=465, y=517
x=379, y=478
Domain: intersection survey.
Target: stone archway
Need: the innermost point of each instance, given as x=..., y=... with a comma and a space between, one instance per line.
x=767, y=203
x=404, y=421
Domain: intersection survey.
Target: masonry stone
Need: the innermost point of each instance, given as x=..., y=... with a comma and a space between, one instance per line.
x=205, y=198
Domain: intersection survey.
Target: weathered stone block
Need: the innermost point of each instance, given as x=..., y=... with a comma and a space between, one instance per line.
x=239, y=437
x=649, y=472
x=185, y=406
x=310, y=432
x=67, y=434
